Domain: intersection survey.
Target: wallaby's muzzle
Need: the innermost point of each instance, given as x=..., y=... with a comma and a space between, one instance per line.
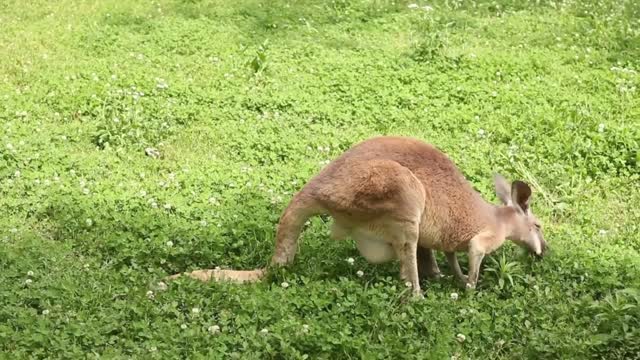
x=544, y=247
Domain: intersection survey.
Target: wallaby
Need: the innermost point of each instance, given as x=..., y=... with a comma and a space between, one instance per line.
x=401, y=198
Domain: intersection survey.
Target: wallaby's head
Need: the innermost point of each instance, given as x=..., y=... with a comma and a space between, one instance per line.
x=525, y=229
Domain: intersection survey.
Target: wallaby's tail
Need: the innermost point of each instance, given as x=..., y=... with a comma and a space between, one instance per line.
x=239, y=276
x=299, y=210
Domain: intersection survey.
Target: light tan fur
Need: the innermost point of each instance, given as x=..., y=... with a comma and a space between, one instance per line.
x=401, y=198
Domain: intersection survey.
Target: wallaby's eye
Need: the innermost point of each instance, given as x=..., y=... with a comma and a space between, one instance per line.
x=538, y=226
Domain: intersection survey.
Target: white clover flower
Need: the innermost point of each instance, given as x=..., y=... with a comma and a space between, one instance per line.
x=305, y=328
x=360, y=273
x=45, y=312
x=264, y=331
x=213, y=329
x=350, y=261
x=203, y=223
x=285, y=284
x=89, y=222
x=602, y=232
x=412, y=6
x=169, y=243
x=481, y=132
x=461, y=338
x=454, y=296
x=183, y=326
x=153, y=349
x=162, y=286
x=29, y=273
x=427, y=8
x=13, y=230
x=167, y=206
x=85, y=191
x=16, y=174
x=601, y=128
x=161, y=84
x=28, y=281
x=408, y=284
x=195, y=311
x=150, y=294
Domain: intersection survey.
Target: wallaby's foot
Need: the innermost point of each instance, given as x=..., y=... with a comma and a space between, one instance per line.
x=463, y=280
x=416, y=294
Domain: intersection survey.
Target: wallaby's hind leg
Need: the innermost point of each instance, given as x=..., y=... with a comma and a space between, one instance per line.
x=427, y=265
x=455, y=266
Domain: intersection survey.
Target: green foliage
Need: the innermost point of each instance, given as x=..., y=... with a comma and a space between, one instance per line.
x=245, y=101
x=259, y=62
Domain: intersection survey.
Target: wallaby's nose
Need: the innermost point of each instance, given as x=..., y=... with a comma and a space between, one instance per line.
x=543, y=249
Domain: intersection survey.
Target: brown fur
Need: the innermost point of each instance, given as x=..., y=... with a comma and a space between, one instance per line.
x=401, y=198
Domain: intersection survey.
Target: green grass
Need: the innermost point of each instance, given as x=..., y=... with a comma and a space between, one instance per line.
x=245, y=101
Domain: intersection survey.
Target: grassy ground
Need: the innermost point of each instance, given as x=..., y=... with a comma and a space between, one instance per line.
x=245, y=101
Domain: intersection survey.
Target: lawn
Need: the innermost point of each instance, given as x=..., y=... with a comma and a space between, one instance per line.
x=139, y=139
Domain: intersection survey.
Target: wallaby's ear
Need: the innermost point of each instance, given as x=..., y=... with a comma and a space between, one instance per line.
x=502, y=188
x=521, y=194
